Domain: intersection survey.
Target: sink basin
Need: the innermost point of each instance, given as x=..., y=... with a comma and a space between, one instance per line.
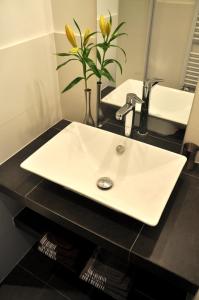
x=143, y=176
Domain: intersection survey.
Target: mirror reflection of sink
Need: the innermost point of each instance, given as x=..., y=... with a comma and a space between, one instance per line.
x=142, y=176
x=169, y=108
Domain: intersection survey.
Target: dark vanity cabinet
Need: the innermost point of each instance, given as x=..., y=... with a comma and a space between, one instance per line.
x=162, y=260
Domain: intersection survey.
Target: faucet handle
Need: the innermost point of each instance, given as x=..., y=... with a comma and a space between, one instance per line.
x=132, y=98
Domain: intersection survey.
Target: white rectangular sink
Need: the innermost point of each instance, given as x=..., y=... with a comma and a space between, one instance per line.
x=143, y=176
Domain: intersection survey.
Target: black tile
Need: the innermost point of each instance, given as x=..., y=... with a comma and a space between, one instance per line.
x=114, y=128
x=49, y=293
x=194, y=172
x=173, y=244
x=38, y=264
x=174, y=138
x=153, y=287
x=138, y=295
x=88, y=219
x=106, y=91
x=69, y=285
x=160, y=142
x=74, y=288
x=20, y=285
x=61, y=124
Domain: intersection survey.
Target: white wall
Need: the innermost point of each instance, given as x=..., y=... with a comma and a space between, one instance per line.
x=73, y=102
x=103, y=6
x=136, y=14
x=172, y=23
x=29, y=96
x=192, y=132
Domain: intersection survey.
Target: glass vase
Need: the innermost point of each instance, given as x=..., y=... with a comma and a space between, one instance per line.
x=88, y=119
x=99, y=112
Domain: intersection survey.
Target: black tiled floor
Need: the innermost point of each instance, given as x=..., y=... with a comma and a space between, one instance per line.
x=37, y=277
x=49, y=293
x=69, y=285
x=20, y=285
x=38, y=264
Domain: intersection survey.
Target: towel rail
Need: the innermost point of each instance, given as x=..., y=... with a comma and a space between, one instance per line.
x=191, y=69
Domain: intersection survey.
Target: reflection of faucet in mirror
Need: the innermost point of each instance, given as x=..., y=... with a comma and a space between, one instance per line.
x=128, y=111
x=146, y=51
x=147, y=87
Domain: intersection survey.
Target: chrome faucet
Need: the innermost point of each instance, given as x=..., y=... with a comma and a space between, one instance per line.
x=128, y=111
x=147, y=87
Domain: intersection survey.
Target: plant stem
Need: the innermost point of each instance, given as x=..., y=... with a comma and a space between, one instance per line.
x=84, y=70
x=103, y=57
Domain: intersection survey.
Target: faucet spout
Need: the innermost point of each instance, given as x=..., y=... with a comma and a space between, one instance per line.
x=128, y=109
x=123, y=111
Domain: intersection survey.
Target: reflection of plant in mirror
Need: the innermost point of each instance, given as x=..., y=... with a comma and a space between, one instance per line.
x=79, y=53
x=108, y=38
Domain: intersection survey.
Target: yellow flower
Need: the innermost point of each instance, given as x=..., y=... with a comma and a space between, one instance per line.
x=71, y=36
x=74, y=50
x=102, y=24
x=86, y=34
x=108, y=28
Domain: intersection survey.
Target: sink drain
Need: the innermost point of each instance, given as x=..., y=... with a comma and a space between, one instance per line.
x=104, y=183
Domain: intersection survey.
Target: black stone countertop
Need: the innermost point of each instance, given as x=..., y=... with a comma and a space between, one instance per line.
x=170, y=249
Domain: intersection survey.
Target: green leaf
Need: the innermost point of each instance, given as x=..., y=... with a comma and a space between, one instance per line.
x=118, y=27
x=90, y=76
x=63, y=64
x=111, y=61
x=91, y=34
x=72, y=83
x=115, y=46
x=99, y=57
x=110, y=18
x=116, y=36
x=104, y=46
x=93, y=67
x=63, y=54
x=86, y=52
x=90, y=44
x=80, y=33
x=107, y=74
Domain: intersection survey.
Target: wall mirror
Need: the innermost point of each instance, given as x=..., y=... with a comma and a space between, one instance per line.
x=162, y=42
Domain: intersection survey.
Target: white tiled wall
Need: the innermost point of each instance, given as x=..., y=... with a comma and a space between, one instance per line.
x=30, y=87
x=29, y=92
